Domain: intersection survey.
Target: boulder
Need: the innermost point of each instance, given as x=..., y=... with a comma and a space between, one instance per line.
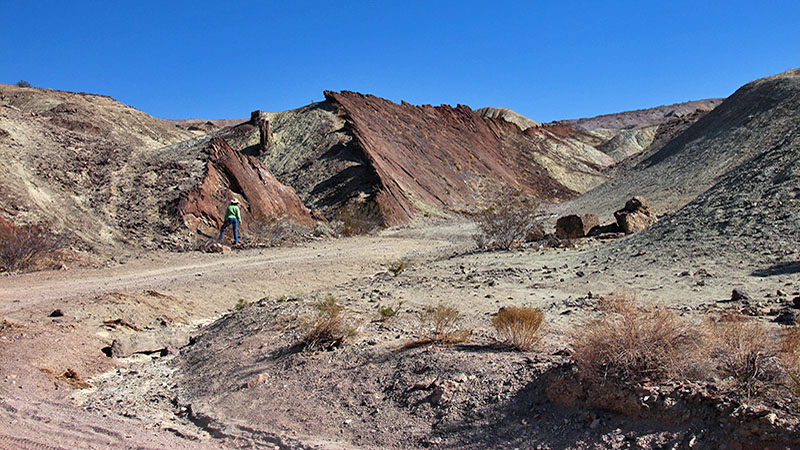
x=576, y=226
x=635, y=216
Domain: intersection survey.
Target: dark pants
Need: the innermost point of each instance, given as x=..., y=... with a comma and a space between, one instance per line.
x=235, y=223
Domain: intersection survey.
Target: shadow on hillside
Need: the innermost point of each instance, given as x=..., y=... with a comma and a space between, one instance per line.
x=784, y=268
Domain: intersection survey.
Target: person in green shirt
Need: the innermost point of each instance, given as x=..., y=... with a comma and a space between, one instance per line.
x=232, y=217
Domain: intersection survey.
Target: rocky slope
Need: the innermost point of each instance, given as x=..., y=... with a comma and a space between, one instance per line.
x=755, y=119
x=414, y=161
x=436, y=160
x=103, y=174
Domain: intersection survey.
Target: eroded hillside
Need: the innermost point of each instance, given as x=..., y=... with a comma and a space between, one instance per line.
x=758, y=117
x=103, y=174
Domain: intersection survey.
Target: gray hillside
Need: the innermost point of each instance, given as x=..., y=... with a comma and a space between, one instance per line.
x=757, y=118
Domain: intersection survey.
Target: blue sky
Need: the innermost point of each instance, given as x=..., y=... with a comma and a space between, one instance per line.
x=546, y=60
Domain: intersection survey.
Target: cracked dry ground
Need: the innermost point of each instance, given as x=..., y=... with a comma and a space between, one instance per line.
x=240, y=383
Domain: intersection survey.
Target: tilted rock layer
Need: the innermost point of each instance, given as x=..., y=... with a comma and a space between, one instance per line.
x=438, y=160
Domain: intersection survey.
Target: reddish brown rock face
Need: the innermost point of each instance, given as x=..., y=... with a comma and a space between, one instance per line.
x=230, y=173
x=438, y=159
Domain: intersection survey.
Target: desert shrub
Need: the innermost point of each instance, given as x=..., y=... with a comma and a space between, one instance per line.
x=790, y=356
x=274, y=232
x=240, y=304
x=519, y=326
x=744, y=351
x=440, y=324
x=358, y=218
x=397, y=267
x=23, y=248
x=388, y=311
x=23, y=83
x=327, y=329
x=507, y=219
x=630, y=342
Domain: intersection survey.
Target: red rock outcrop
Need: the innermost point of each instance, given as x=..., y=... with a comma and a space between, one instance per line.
x=231, y=173
x=438, y=159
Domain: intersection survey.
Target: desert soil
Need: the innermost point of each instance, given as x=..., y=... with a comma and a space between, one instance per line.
x=239, y=384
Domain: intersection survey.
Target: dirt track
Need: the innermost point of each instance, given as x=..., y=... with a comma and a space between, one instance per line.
x=307, y=267
x=195, y=287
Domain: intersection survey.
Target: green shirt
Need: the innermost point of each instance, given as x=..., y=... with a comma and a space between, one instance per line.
x=233, y=211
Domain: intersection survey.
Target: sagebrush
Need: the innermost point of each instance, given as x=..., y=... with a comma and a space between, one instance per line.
x=326, y=330
x=274, y=232
x=24, y=248
x=790, y=356
x=441, y=324
x=743, y=350
x=630, y=342
x=508, y=218
x=519, y=326
x=387, y=312
x=356, y=218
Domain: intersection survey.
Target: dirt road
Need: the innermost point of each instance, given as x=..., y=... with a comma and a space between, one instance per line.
x=190, y=286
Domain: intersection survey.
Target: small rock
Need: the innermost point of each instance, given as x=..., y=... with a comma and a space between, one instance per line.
x=57, y=313
x=739, y=294
x=771, y=418
x=796, y=302
x=787, y=316
x=258, y=379
x=595, y=423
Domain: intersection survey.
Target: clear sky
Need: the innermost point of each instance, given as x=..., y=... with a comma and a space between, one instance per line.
x=546, y=60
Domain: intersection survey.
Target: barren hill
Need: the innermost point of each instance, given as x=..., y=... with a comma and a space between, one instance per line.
x=756, y=118
x=103, y=174
x=643, y=117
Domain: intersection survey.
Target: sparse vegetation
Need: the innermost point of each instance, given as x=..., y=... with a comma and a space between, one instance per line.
x=241, y=303
x=24, y=248
x=388, y=311
x=397, y=267
x=790, y=356
x=744, y=351
x=274, y=232
x=440, y=325
x=23, y=83
x=630, y=342
x=327, y=330
x=519, y=326
x=507, y=219
x=358, y=218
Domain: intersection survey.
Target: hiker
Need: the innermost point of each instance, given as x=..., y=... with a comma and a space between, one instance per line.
x=232, y=217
